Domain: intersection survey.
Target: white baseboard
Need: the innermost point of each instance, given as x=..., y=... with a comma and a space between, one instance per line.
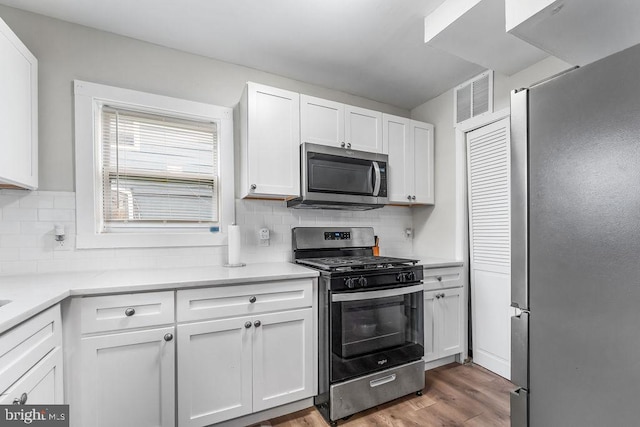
x=440, y=362
x=268, y=414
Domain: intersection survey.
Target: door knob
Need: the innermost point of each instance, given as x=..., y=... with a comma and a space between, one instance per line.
x=130, y=312
x=252, y=300
x=413, y=197
x=349, y=145
x=168, y=337
x=408, y=197
x=253, y=186
x=247, y=325
x=342, y=144
x=257, y=323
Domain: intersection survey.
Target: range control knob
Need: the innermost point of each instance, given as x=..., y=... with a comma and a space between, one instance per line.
x=400, y=278
x=362, y=281
x=350, y=282
x=411, y=276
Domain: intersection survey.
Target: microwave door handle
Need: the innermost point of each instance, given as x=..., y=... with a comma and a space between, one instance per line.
x=376, y=185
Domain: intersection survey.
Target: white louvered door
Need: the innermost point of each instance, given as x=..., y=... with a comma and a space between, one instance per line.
x=489, y=245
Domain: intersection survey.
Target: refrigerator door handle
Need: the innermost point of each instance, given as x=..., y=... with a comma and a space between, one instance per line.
x=519, y=199
x=520, y=349
x=519, y=402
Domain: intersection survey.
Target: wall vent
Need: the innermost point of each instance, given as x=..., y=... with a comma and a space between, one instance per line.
x=473, y=98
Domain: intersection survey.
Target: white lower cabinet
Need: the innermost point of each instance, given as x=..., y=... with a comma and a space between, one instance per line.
x=31, y=361
x=233, y=367
x=443, y=314
x=120, y=354
x=236, y=366
x=442, y=323
x=128, y=379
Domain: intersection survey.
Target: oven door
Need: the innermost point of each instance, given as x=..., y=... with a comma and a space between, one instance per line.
x=376, y=329
x=347, y=176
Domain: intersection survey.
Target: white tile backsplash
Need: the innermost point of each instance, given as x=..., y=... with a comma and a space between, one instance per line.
x=27, y=221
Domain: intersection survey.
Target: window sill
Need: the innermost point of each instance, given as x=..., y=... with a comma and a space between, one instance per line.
x=149, y=240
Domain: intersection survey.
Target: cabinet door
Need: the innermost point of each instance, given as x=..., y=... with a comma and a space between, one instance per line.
x=214, y=371
x=18, y=112
x=321, y=121
x=450, y=322
x=397, y=141
x=423, y=162
x=430, y=323
x=363, y=129
x=42, y=384
x=273, y=129
x=128, y=379
x=283, y=354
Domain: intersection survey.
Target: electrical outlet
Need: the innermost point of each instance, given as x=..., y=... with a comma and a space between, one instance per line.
x=263, y=237
x=62, y=245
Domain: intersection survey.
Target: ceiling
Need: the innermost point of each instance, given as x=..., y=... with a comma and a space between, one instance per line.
x=370, y=48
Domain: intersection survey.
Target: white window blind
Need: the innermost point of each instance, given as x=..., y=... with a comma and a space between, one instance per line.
x=157, y=171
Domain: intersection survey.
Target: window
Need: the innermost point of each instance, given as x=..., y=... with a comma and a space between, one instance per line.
x=149, y=169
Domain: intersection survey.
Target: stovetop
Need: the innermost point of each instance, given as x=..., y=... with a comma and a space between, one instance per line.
x=353, y=263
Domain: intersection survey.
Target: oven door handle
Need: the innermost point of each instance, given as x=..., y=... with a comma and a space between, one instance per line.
x=366, y=295
x=376, y=185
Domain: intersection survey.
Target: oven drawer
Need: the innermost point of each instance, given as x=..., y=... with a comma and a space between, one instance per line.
x=242, y=300
x=442, y=278
x=366, y=392
x=116, y=312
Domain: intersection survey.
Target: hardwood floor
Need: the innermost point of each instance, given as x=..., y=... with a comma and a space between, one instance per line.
x=455, y=395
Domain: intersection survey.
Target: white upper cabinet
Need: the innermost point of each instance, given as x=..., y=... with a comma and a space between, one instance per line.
x=270, y=141
x=18, y=113
x=410, y=146
x=335, y=124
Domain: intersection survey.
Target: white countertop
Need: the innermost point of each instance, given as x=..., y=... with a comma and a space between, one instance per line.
x=432, y=262
x=30, y=294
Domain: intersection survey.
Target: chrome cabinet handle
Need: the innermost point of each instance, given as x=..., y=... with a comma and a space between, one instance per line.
x=349, y=145
x=21, y=400
x=408, y=197
x=252, y=300
x=253, y=186
x=130, y=312
x=439, y=278
x=257, y=323
x=413, y=197
x=168, y=337
x=247, y=325
x=342, y=145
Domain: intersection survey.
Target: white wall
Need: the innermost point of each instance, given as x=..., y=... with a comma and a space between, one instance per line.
x=67, y=51
x=435, y=227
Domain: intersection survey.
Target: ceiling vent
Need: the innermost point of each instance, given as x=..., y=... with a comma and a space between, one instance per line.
x=473, y=98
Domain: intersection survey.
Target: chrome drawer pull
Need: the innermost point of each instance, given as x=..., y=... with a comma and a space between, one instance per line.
x=130, y=312
x=383, y=380
x=22, y=400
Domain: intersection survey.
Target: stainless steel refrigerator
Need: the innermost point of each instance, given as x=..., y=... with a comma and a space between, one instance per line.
x=575, y=175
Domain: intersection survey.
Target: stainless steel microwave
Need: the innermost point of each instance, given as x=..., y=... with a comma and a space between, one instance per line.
x=339, y=178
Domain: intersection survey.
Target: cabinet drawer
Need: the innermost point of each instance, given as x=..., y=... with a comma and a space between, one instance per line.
x=26, y=344
x=116, y=312
x=442, y=278
x=41, y=385
x=242, y=300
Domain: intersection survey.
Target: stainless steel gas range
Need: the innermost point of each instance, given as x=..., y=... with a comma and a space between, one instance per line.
x=371, y=330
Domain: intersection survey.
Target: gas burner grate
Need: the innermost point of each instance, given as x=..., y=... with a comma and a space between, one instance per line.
x=355, y=262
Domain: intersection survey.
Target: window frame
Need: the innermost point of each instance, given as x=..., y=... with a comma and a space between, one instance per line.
x=88, y=98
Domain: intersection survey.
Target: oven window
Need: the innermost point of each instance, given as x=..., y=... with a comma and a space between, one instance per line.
x=342, y=175
x=372, y=325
